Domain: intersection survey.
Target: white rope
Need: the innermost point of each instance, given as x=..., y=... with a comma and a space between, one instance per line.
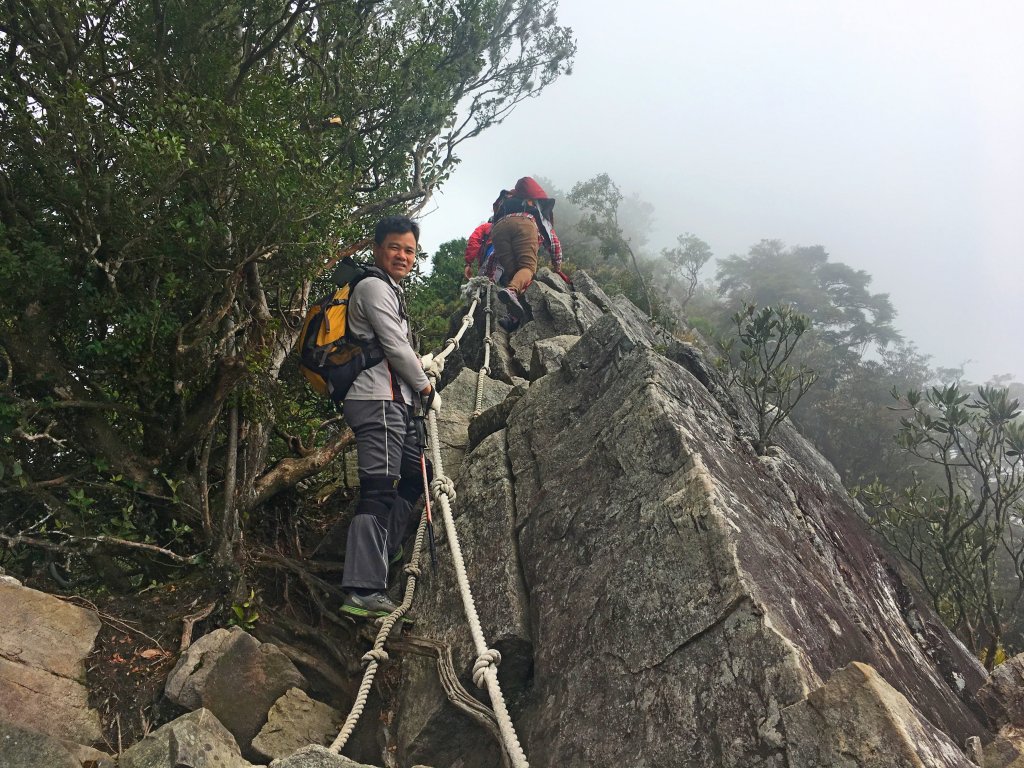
x=485, y=670
x=485, y=369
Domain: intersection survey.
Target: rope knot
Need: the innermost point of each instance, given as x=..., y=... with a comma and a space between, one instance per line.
x=412, y=569
x=376, y=654
x=487, y=659
x=443, y=484
x=454, y=343
x=435, y=368
x=485, y=370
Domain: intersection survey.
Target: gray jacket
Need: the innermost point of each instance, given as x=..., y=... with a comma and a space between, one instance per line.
x=376, y=315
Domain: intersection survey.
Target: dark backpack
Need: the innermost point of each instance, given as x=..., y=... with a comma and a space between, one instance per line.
x=329, y=356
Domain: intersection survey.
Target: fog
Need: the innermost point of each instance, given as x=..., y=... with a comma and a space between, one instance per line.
x=890, y=133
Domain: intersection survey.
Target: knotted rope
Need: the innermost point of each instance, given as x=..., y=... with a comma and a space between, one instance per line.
x=485, y=672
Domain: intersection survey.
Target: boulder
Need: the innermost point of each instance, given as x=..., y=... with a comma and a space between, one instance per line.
x=548, y=354
x=1002, y=695
x=44, y=642
x=21, y=748
x=1006, y=750
x=296, y=721
x=234, y=676
x=315, y=756
x=194, y=740
x=857, y=720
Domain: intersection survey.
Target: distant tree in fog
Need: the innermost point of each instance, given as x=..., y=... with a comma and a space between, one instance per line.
x=685, y=262
x=835, y=296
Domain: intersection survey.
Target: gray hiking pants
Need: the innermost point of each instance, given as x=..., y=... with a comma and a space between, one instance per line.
x=390, y=482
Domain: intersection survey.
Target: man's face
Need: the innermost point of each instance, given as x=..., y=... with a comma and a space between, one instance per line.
x=396, y=255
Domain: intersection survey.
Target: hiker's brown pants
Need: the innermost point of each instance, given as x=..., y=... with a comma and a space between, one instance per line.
x=516, y=241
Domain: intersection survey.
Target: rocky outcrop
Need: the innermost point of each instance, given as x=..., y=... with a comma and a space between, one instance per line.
x=1006, y=750
x=196, y=740
x=44, y=642
x=21, y=748
x=296, y=721
x=1002, y=695
x=659, y=593
x=316, y=757
x=236, y=677
x=459, y=403
x=857, y=719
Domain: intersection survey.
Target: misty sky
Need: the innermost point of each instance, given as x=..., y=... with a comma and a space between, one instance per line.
x=890, y=133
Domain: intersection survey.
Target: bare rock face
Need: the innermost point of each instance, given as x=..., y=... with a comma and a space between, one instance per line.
x=296, y=721
x=659, y=593
x=1002, y=695
x=548, y=353
x=20, y=748
x=195, y=740
x=234, y=676
x=317, y=757
x=43, y=645
x=857, y=720
x=459, y=403
x=1006, y=750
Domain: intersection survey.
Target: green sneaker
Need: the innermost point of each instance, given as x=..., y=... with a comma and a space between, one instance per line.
x=372, y=606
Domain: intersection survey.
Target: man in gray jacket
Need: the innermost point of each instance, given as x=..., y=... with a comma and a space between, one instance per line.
x=379, y=409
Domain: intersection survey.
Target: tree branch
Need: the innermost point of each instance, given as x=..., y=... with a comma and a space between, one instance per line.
x=287, y=472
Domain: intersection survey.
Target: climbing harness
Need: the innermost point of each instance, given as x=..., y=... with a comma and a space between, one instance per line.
x=485, y=669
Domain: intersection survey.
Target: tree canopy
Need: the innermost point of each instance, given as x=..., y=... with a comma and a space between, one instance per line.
x=174, y=180
x=835, y=296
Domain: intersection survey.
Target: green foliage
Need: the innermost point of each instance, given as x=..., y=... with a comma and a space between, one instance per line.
x=761, y=365
x=245, y=614
x=962, y=534
x=600, y=199
x=849, y=417
x=169, y=196
x=434, y=297
x=834, y=296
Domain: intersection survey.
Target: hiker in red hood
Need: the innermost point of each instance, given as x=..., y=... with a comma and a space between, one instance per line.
x=523, y=224
x=479, y=248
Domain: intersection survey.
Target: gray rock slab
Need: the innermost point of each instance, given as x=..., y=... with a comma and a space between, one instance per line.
x=22, y=748
x=41, y=631
x=196, y=740
x=459, y=402
x=1006, y=750
x=235, y=677
x=548, y=353
x=1002, y=695
x=702, y=585
x=43, y=645
x=40, y=701
x=316, y=756
x=296, y=721
x=857, y=720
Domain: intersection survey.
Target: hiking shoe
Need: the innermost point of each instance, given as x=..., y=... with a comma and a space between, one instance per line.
x=509, y=299
x=509, y=323
x=372, y=606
